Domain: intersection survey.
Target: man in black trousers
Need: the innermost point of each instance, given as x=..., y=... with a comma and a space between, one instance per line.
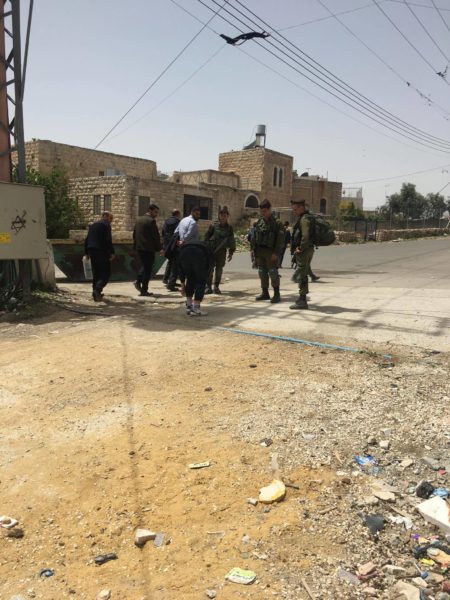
x=99, y=248
x=147, y=242
x=171, y=272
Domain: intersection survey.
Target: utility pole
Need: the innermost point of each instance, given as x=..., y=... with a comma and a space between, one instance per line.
x=11, y=100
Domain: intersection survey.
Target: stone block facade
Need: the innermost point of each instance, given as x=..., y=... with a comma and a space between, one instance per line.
x=206, y=176
x=323, y=196
x=43, y=155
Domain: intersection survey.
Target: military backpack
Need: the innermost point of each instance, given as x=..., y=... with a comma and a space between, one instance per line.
x=322, y=231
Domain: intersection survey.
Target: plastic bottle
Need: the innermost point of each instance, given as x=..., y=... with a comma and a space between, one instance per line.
x=87, y=267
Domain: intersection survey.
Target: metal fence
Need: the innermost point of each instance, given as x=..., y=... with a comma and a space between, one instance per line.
x=368, y=229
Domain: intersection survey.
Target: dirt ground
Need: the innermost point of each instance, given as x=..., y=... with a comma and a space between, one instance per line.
x=100, y=417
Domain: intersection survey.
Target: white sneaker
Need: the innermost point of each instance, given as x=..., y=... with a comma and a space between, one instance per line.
x=197, y=312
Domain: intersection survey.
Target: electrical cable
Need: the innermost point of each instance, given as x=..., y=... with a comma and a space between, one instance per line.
x=163, y=72
x=27, y=45
x=417, y=4
x=322, y=100
x=438, y=10
x=427, y=32
x=398, y=176
x=326, y=71
x=422, y=136
x=384, y=62
x=376, y=2
x=172, y=93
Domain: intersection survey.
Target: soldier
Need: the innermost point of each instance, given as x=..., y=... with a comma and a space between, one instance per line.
x=267, y=244
x=219, y=238
x=304, y=251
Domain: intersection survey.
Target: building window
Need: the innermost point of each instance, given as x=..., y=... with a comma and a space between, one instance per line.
x=280, y=177
x=107, y=202
x=97, y=205
x=251, y=201
x=143, y=203
x=275, y=176
x=323, y=206
x=101, y=173
x=205, y=205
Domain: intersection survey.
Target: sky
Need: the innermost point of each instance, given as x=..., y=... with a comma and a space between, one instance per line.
x=90, y=60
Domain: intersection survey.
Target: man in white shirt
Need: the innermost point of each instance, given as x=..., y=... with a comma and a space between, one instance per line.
x=188, y=228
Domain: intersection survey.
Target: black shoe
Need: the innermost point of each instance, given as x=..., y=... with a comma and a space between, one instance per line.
x=217, y=290
x=97, y=296
x=208, y=290
x=146, y=294
x=137, y=285
x=315, y=277
x=172, y=288
x=276, y=297
x=165, y=281
x=264, y=295
x=300, y=304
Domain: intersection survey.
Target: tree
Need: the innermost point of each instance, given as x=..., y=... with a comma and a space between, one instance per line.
x=408, y=204
x=435, y=207
x=348, y=210
x=62, y=212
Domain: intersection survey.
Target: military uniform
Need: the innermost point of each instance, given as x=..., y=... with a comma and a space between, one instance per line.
x=303, y=240
x=219, y=238
x=268, y=241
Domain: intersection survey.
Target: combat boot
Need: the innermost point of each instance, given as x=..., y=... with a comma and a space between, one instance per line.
x=264, y=295
x=276, y=296
x=217, y=290
x=300, y=304
x=208, y=290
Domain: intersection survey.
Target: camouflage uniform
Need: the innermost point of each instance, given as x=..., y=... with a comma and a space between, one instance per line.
x=268, y=241
x=303, y=239
x=219, y=238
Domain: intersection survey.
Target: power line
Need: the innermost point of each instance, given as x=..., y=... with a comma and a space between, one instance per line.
x=378, y=112
x=398, y=176
x=155, y=81
x=297, y=85
x=376, y=2
x=427, y=32
x=438, y=10
x=172, y=93
x=417, y=4
x=381, y=59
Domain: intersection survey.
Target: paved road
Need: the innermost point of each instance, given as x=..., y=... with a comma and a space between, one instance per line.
x=373, y=296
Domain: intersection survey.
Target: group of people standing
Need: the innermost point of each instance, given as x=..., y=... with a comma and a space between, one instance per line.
x=198, y=264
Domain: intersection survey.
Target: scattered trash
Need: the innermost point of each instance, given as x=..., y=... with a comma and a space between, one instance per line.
x=424, y=489
x=200, y=465
x=347, y=576
x=104, y=558
x=8, y=522
x=375, y=523
x=252, y=501
x=272, y=493
x=266, y=442
x=159, y=539
x=104, y=595
x=46, y=573
x=406, y=521
x=441, y=492
x=211, y=594
x=432, y=463
x=368, y=464
x=237, y=575
x=436, y=511
x=142, y=536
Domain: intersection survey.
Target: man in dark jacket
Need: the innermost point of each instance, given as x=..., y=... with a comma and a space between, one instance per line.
x=168, y=230
x=146, y=242
x=195, y=260
x=99, y=248
x=219, y=237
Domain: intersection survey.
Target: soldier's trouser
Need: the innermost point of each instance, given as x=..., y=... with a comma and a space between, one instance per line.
x=217, y=263
x=266, y=268
x=303, y=266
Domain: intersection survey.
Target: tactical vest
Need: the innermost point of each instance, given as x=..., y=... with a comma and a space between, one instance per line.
x=266, y=233
x=220, y=236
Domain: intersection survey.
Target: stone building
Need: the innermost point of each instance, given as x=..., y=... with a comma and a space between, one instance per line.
x=125, y=185
x=354, y=195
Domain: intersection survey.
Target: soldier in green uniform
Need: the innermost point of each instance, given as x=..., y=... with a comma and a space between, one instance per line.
x=304, y=251
x=219, y=238
x=267, y=243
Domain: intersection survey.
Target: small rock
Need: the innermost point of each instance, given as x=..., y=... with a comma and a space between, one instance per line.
x=142, y=536
x=371, y=440
x=211, y=593
x=394, y=570
x=419, y=582
x=385, y=444
x=407, y=462
x=443, y=596
x=385, y=496
x=370, y=501
x=208, y=389
x=406, y=591
x=252, y=501
x=432, y=463
x=369, y=591
x=104, y=595
x=366, y=568
x=446, y=587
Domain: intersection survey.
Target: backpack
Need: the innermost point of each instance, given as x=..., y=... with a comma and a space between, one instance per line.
x=322, y=232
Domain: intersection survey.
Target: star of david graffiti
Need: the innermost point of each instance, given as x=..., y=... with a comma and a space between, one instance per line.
x=19, y=223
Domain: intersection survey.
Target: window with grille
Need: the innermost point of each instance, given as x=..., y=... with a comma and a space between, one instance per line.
x=107, y=202
x=97, y=205
x=205, y=205
x=280, y=177
x=275, y=176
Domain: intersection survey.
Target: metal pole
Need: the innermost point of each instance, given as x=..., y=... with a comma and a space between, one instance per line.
x=5, y=155
x=18, y=116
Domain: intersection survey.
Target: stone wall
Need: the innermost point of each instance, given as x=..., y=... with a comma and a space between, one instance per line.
x=313, y=190
x=248, y=164
x=43, y=155
x=206, y=176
